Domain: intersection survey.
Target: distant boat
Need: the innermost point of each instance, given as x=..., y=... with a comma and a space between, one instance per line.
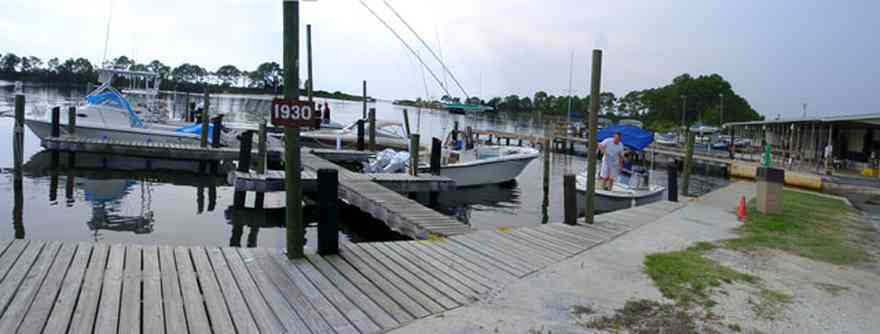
x=463, y=108
x=485, y=164
x=388, y=135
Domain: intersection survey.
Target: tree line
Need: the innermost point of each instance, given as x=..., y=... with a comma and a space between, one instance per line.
x=267, y=78
x=660, y=108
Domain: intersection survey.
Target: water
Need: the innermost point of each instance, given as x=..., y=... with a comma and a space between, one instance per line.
x=116, y=199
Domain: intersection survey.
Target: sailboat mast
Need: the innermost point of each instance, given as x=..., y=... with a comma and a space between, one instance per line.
x=570, y=71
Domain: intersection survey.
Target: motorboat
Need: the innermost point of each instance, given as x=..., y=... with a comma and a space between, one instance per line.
x=668, y=139
x=106, y=113
x=485, y=164
x=389, y=134
x=633, y=187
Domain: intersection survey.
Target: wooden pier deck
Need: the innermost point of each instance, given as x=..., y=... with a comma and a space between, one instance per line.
x=147, y=150
x=273, y=180
x=53, y=287
x=400, y=213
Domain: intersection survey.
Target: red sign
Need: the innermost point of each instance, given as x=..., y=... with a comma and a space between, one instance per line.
x=295, y=113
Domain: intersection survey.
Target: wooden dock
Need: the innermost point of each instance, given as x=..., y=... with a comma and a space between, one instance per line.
x=147, y=149
x=53, y=287
x=273, y=180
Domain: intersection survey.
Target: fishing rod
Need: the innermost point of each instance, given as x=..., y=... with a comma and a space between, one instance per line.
x=405, y=44
x=466, y=95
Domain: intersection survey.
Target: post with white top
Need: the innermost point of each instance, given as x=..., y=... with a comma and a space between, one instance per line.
x=592, y=145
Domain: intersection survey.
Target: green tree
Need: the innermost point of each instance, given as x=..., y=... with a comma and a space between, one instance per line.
x=156, y=66
x=30, y=64
x=189, y=73
x=228, y=74
x=52, y=65
x=122, y=63
x=9, y=62
x=266, y=76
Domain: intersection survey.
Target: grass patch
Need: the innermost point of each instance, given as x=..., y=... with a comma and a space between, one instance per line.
x=646, y=316
x=810, y=226
x=770, y=304
x=687, y=276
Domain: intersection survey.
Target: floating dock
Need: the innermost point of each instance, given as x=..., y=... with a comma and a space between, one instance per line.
x=147, y=149
x=53, y=287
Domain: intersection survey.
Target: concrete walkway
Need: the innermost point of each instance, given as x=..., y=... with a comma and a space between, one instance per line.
x=602, y=279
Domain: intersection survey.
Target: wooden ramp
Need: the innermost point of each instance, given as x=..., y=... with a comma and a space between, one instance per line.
x=53, y=287
x=400, y=213
x=273, y=180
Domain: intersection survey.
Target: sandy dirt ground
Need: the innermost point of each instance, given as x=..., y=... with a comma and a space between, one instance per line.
x=824, y=298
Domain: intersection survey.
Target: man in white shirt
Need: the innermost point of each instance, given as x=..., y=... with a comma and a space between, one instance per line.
x=612, y=160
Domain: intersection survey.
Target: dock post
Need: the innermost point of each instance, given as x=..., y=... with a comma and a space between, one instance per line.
x=360, y=135
x=71, y=120
x=261, y=148
x=570, y=199
x=203, y=141
x=688, y=162
x=469, y=138
x=365, y=100
x=328, y=232
x=455, y=131
x=435, y=155
x=53, y=176
x=406, y=122
x=372, y=120
x=595, y=81
x=414, y=154
x=56, y=122
x=672, y=183
x=215, y=134
x=18, y=133
x=244, y=165
x=292, y=167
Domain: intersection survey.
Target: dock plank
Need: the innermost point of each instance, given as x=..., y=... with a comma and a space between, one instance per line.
x=193, y=303
x=238, y=309
x=392, y=300
x=324, y=271
x=16, y=275
x=111, y=291
x=479, y=257
x=472, y=271
x=521, y=251
x=275, y=299
x=172, y=301
x=10, y=255
x=491, y=272
x=221, y=322
x=308, y=303
x=453, y=277
x=153, y=316
x=494, y=254
x=27, y=291
x=59, y=290
x=263, y=315
x=83, y=320
x=130, y=310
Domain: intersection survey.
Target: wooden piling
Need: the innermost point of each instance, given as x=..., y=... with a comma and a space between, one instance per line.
x=469, y=138
x=672, y=183
x=262, y=147
x=372, y=133
x=203, y=141
x=365, y=100
x=244, y=165
x=328, y=235
x=569, y=199
x=455, y=130
x=217, y=123
x=406, y=122
x=414, y=154
x=18, y=133
x=295, y=227
x=435, y=155
x=56, y=122
x=311, y=79
x=595, y=82
x=71, y=120
x=688, y=163
x=360, y=135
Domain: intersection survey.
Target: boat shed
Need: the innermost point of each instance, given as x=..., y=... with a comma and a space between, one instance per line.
x=855, y=139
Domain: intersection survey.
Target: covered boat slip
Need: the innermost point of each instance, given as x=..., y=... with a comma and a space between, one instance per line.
x=799, y=143
x=54, y=286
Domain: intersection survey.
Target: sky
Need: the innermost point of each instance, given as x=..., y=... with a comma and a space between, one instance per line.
x=777, y=54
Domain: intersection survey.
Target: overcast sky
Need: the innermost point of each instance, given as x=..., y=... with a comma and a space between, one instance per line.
x=777, y=54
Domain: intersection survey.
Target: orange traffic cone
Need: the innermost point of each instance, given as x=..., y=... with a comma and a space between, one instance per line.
x=741, y=210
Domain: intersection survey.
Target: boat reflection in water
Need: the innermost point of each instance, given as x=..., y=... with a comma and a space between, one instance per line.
x=463, y=202
x=108, y=213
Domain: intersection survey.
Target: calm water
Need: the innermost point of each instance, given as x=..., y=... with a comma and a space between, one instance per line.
x=118, y=199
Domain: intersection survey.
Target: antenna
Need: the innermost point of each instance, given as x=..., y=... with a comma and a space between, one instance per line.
x=107, y=34
x=427, y=47
x=405, y=44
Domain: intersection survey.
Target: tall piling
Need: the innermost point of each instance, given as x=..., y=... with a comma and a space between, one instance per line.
x=569, y=198
x=18, y=157
x=56, y=122
x=372, y=131
x=203, y=140
x=688, y=163
x=595, y=82
x=414, y=154
x=328, y=235
x=294, y=222
x=406, y=122
x=360, y=135
x=435, y=155
x=365, y=100
x=71, y=120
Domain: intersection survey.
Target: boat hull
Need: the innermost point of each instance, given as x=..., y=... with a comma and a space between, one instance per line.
x=477, y=173
x=44, y=129
x=605, y=202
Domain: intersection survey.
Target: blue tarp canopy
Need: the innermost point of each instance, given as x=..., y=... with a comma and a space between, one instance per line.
x=112, y=99
x=196, y=128
x=633, y=137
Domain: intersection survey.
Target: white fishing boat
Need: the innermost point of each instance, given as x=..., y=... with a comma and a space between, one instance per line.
x=388, y=135
x=485, y=164
x=107, y=114
x=633, y=186
x=628, y=191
